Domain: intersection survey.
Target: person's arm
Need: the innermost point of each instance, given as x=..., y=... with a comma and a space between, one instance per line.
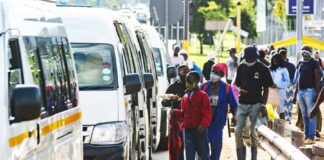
x=233, y=106
x=206, y=112
x=317, y=74
x=179, y=112
x=267, y=82
x=232, y=102
x=317, y=103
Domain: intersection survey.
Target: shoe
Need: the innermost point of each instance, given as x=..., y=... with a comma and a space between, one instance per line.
x=310, y=141
x=317, y=134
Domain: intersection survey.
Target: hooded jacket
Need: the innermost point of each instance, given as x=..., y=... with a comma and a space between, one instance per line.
x=195, y=110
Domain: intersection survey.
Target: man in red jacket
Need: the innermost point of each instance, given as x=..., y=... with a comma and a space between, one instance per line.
x=196, y=115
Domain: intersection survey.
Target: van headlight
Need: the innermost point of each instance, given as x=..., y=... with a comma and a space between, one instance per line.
x=110, y=133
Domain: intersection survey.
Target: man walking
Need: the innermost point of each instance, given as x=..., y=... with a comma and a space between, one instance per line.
x=220, y=96
x=232, y=64
x=176, y=60
x=177, y=88
x=196, y=115
x=308, y=78
x=252, y=80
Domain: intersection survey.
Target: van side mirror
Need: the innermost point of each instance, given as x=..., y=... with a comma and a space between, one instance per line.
x=171, y=72
x=26, y=103
x=148, y=80
x=133, y=83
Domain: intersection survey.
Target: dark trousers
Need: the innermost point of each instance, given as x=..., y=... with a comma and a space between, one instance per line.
x=196, y=143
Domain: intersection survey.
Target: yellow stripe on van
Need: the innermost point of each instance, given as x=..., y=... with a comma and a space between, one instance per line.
x=13, y=141
x=60, y=123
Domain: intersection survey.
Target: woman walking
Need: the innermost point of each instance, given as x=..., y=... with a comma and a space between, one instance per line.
x=280, y=77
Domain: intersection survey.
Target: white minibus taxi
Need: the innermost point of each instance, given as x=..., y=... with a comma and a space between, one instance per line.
x=110, y=84
x=39, y=117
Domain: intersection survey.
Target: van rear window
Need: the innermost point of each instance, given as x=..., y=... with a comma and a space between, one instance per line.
x=95, y=65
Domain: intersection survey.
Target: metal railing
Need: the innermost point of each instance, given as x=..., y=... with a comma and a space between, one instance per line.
x=277, y=146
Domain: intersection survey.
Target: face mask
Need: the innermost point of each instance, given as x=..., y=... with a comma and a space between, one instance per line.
x=250, y=64
x=214, y=78
x=306, y=55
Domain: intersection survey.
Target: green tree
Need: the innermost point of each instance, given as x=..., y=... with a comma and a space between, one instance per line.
x=248, y=16
x=198, y=21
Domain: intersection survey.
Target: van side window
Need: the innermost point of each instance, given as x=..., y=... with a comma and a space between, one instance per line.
x=15, y=74
x=53, y=75
x=145, y=54
x=130, y=64
x=73, y=88
x=50, y=71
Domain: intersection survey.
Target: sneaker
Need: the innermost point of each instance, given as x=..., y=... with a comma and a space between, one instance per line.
x=309, y=141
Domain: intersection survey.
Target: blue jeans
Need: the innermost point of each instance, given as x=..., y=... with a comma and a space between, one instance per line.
x=196, y=142
x=245, y=111
x=306, y=100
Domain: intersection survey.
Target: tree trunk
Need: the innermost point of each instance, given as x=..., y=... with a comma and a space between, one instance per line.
x=200, y=37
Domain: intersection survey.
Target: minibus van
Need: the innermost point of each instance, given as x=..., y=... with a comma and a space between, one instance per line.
x=40, y=117
x=111, y=85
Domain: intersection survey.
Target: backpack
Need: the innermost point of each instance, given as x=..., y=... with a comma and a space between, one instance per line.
x=205, y=86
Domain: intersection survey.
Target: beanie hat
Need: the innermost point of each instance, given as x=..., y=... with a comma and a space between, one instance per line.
x=220, y=66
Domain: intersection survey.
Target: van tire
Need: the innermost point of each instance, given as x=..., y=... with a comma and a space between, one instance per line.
x=163, y=145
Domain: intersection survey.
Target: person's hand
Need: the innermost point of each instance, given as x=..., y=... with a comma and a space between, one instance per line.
x=201, y=129
x=174, y=98
x=313, y=112
x=243, y=92
x=233, y=121
x=172, y=112
x=263, y=110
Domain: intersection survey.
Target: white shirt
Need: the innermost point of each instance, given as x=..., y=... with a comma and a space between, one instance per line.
x=175, y=61
x=280, y=77
x=231, y=68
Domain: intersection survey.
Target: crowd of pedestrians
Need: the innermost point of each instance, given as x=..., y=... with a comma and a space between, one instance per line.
x=202, y=99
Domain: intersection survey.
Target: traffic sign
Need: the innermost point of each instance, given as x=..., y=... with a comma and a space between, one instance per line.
x=240, y=31
x=314, y=23
x=215, y=25
x=308, y=7
x=158, y=11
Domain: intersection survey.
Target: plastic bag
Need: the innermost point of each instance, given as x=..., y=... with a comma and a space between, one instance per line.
x=274, y=97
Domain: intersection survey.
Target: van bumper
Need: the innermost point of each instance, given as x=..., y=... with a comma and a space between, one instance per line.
x=105, y=152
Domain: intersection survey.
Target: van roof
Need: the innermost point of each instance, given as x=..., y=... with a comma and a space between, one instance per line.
x=89, y=25
x=31, y=17
x=153, y=36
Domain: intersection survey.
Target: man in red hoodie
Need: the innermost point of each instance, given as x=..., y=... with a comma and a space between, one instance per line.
x=196, y=116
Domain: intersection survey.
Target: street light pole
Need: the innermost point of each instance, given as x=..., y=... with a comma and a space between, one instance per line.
x=238, y=25
x=299, y=28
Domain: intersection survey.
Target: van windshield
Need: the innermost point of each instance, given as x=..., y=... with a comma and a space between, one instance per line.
x=95, y=65
x=158, y=61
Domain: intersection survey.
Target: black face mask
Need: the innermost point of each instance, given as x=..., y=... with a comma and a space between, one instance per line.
x=182, y=78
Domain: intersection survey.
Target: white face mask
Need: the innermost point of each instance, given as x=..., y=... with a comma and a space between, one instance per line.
x=250, y=64
x=214, y=78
